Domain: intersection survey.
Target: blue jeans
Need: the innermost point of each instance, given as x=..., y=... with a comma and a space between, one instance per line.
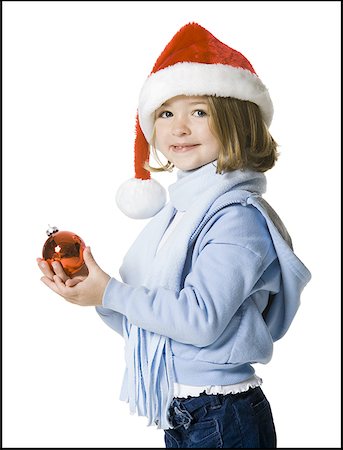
x=242, y=420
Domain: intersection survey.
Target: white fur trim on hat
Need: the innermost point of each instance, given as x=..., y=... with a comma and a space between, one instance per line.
x=188, y=78
x=140, y=199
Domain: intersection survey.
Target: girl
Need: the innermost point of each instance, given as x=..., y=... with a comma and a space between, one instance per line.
x=212, y=280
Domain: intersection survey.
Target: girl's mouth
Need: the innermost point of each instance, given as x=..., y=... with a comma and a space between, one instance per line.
x=183, y=148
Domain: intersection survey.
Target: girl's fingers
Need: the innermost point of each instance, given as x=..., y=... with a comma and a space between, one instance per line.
x=58, y=269
x=45, y=268
x=74, y=281
x=51, y=284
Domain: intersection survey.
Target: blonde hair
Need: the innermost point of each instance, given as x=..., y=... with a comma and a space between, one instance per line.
x=244, y=138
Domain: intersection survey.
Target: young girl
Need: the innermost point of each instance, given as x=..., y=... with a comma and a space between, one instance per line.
x=212, y=280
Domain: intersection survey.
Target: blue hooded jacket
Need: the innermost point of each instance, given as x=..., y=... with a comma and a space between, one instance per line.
x=212, y=301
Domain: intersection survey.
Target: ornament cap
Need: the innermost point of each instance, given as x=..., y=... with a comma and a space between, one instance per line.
x=51, y=230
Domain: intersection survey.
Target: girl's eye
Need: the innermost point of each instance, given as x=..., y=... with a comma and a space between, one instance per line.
x=165, y=114
x=200, y=113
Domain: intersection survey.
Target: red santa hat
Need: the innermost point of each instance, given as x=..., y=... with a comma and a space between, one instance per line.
x=193, y=63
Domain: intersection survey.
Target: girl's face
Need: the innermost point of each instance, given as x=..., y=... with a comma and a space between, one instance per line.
x=182, y=131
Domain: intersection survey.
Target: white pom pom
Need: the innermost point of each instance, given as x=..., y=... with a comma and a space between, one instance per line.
x=140, y=199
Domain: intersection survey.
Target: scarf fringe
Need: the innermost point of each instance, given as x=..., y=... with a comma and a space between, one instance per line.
x=149, y=377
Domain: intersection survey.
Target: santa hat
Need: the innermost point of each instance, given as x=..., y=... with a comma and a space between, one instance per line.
x=193, y=63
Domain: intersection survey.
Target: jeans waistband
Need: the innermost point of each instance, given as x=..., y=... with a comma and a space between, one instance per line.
x=193, y=403
x=184, y=410
x=213, y=400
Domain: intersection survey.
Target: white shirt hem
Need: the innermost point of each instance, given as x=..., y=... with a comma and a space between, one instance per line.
x=184, y=390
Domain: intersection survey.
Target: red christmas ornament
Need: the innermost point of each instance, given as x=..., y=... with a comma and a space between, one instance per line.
x=65, y=247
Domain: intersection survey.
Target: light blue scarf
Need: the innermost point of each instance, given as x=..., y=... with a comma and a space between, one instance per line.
x=149, y=376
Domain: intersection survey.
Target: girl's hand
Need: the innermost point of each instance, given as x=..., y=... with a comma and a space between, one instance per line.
x=57, y=269
x=85, y=288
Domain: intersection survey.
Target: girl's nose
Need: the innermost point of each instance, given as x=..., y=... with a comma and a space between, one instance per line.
x=180, y=127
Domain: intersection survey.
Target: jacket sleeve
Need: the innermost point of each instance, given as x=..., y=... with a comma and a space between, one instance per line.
x=112, y=318
x=222, y=277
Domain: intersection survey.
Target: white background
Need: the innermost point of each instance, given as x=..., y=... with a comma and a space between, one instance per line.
x=72, y=72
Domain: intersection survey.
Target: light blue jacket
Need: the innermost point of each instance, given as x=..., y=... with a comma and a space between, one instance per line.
x=239, y=291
